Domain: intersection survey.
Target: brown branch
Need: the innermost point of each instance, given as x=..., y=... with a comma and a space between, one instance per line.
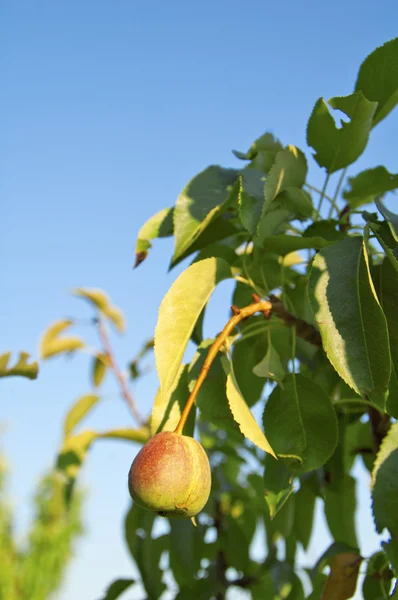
x=379, y=426
x=116, y=371
x=303, y=329
x=344, y=217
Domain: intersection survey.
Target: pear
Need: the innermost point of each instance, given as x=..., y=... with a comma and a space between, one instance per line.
x=171, y=476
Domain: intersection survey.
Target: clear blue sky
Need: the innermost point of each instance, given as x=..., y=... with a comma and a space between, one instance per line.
x=107, y=109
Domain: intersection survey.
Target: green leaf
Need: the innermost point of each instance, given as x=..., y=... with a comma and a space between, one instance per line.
x=100, y=364
x=22, y=367
x=278, y=484
x=390, y=217
x=52, y=343
x=336, y=148
x=251, y=198
x=382, y=231
x=158, y=226
x=186, y=550
x=340, y=508
x=270, y=366
x=351, y=321
x=241, y=412
x=326, y=229
x=73, y=452
x=368, y=185
x=388, y=295
x=266, y=142
x=378, y=577
x=178, y=313
x=391, y=549
x=235, y=542
x=212, y=398
x=117, y=588
x=245, y=354
x=101, y=301
x=378, y=78
x=167, y=409
x=301, y=423
x=385, y=483
x=79, y=410
x=140, y=435
x=298, y=201
x=275, y=221
x=284, y=244
x=204, y=198
x=304, y=514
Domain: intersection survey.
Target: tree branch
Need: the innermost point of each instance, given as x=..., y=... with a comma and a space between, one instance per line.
x=116, y=371
x=304, y=330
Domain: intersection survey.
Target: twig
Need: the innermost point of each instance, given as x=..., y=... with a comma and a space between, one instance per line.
x=344, y=214
x=304, y=330
x=116, y=371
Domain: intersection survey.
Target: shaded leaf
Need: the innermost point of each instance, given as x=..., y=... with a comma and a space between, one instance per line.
x=351, y=321
x=266, y=142
x=101, y=301
x=52, y=343
x=336, y=148
x=186, y=550
x=368, y=185
x=326, y=229
x=384, y=235
x=342, y=580
x=178, y=313
x=245, y=354
x=241, y=412
x=284, y=244
x=117, y=588
x=278, y=484
x=298, y=201
x=304, y=507
x=158, y=226
x=390, y=217
x=204, y=198
x=391, y=549
x=22, y=368
x=378, y=78
x=340, y=508
x=251, y=198
x=73, y=452
x=167, y=408
x=301, y=423
x=385, y=483
x=79, y=410
x=378, y=577
x=270, y=366
x=100, y=364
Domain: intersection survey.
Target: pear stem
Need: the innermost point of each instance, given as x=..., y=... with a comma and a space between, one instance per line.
x=238, y=315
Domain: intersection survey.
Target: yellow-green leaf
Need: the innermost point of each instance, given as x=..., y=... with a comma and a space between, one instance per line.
x=179, y=311
x=22, y=367
x=100, y=300
x=159, y=225
x=73, y=452
x=140, y=435
x=241, y=412
x=167, y=409
x=100, y=364
x=52, y=343
x=78, y=411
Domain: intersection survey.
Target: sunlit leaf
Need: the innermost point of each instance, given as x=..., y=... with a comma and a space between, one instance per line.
x=378, y=78
x=351, y=321
x=266, y=142
x=158, y=226
x=270, y=366
x=368, y=185
x=99, y=367
x=167, y=408
x=140, y=435
x=52, y=343
x=300, y=422
x=336, y=148
x=78, y=411
x=241, y=412
x=385, y=483
x=178, y=313
x=22, y=368
x=204, y=198
x=101, y=301
x=73, y=452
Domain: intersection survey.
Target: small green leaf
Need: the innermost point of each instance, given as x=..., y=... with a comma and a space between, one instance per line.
x=385, y=483
x=22, y=367
x=178, y=313
x=73, y=452
x=270, y=366
x=100, y=364
x=336, y=148
x=378, y=78
x=301, y=423
x=204, y=198
x=167, y=408
x=79, y=410
x=241, y=412
x=352, y=324
x=101, y=301
x=340, y=508
x=117, y=588
x=266, y=142
x=278, y=484
x=251, y=198
x=284, y=244
x=304, y=514
x=158, y=226
x=390, y=217
x=52, y=343
x=368, y=185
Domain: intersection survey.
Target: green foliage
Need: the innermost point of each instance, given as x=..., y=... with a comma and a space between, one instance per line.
x=22, y=368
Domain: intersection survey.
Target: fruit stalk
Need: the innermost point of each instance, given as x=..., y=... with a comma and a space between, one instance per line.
x=239, y=314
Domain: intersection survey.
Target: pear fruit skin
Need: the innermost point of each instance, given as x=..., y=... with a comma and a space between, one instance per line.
x=171, y=476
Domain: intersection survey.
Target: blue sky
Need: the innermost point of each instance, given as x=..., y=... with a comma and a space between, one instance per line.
x=107, y=110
